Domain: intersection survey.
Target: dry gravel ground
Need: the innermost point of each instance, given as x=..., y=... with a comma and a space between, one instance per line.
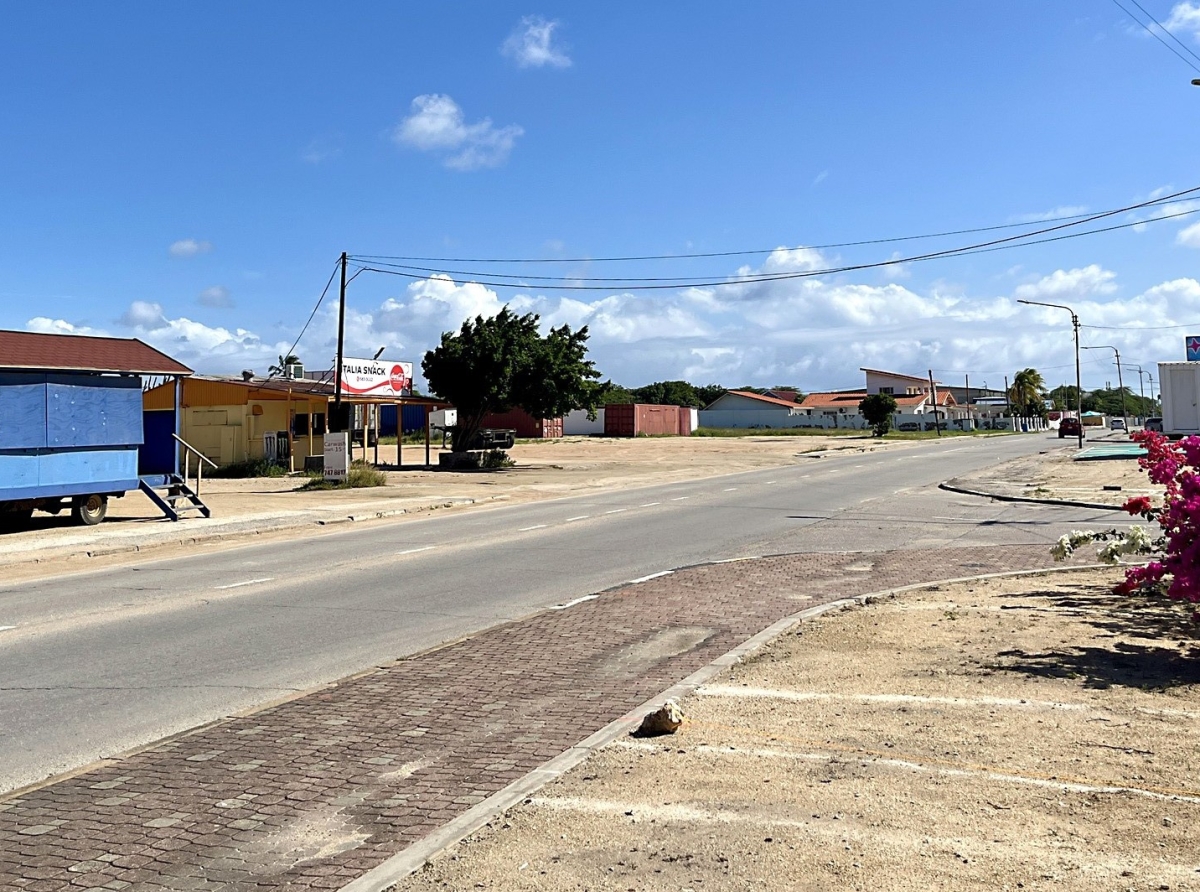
x=1054, y=475
x=1017, y=733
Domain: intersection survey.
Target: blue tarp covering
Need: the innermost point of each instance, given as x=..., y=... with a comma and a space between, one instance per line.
x=412, y=416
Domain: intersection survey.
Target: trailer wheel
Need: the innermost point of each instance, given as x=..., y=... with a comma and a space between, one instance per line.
x=89, y=510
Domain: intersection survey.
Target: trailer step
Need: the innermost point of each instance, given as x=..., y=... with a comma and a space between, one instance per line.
x=178, y=499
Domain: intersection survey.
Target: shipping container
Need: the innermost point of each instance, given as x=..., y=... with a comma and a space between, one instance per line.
x=641, y=419
x=525, y=424
x=1179, y=383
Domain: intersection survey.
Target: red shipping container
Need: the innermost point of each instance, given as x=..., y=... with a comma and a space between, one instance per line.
x=525, y=424
x=641, y=419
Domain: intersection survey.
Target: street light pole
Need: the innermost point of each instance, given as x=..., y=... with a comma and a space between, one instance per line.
x=1120, y=381
x=1078, y=376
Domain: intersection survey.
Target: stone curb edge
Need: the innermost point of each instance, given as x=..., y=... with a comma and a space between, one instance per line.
x=387, y=875
x=950, y=487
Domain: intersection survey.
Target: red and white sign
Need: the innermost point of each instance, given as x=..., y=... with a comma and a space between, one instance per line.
x=376, y=378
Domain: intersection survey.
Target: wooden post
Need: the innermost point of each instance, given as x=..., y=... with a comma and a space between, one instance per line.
x=427, y=435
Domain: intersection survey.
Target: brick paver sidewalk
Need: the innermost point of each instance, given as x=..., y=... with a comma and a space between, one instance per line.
x=312, y=793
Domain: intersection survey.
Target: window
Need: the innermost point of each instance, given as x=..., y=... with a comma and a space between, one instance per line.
x=885, y=390
x=300, y=425
x=318, y=423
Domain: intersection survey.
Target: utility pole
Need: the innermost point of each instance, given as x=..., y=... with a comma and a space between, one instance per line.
x=1120, y=380
x=1008, y=401
x=337, y=387
x=1078, y=375
x=933, y=394
x=967, y=399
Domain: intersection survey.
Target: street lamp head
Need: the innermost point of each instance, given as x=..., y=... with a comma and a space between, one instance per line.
x=1196, y=82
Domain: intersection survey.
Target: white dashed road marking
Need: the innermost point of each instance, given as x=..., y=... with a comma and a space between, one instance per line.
x=540, y=526
x=415, y=550
x=246, y=582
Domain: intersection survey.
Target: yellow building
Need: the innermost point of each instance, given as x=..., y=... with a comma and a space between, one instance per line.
x=228, y=419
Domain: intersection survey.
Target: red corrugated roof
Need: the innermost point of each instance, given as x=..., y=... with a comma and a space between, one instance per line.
x=32, y=351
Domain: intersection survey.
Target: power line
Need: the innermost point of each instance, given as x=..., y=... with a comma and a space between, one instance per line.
x=1133, y=327
x=1154, y=34
x=984, y=247
x=852, y=244
x=1187, y=49
x=291, y=350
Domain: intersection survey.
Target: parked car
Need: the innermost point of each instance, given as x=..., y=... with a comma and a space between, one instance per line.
x=1153, y=424
x=1116, y=424
x=1069, y=427
x=908, y=426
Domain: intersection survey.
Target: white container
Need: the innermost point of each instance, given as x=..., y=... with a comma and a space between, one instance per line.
x=443, y=419
x=1179, y=383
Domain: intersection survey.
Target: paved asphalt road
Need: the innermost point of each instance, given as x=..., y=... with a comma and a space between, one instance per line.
x=97, y=662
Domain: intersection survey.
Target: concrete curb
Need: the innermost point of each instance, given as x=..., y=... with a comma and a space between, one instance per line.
x=950, y=487
x=407, y=862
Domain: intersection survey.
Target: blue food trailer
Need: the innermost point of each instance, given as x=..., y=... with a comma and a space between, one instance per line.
x=71, y=421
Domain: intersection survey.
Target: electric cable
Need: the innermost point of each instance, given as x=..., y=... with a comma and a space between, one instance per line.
x=1166, y=200
x=1187, y=49
x=1154, y=34
x=984, y=247
x=292, y=349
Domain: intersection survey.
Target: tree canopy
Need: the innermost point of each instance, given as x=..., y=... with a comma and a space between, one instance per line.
x=1026, y=393
x=503, y=362
x=877, y=409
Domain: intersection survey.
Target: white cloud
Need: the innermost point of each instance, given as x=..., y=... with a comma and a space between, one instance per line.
x=820, y=178
x=1065, y=210
x=46, y=325
x=217, y=296
x=1185, y=17
x=142, y=314
x=1189, y=236
x=323, y=148
x=437, y=124
x=1091, y=279
x=189, y=247
x=531, y=44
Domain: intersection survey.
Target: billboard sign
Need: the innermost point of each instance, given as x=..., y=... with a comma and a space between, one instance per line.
x=337, y=457
x=381, y=378
x=1193, y=348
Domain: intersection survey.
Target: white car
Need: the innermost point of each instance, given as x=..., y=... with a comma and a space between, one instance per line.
x=1117, y=424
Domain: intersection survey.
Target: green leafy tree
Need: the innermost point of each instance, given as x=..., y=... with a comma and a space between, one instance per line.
x=615, y=394
x=284, y=362
x=709, y=394
x=1025, y=394
x=878, y=409
x=668, y=393
x=501, y=363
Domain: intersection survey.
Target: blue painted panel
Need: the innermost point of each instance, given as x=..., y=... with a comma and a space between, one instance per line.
x=157, y=453
x=95, y=410
x=413, y=418
x=387, y=420
x=103, y=469
x=22, y=411
x=18, y=470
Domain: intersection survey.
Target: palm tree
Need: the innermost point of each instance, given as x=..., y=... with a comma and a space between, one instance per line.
x=284, y=362
x=1027, y=388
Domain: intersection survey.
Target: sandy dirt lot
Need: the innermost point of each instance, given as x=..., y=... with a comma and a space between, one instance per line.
x=1021, y=733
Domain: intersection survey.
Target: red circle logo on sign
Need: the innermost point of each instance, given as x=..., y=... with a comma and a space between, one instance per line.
x=399, y=379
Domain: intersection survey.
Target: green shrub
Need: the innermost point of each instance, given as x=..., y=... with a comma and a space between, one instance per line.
x=255, y=467
x=358, y=476
x=495, y=459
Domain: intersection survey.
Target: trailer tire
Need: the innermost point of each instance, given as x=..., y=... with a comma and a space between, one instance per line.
x=89, y=510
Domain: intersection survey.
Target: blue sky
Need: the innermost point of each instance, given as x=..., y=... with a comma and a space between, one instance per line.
x=189, y=173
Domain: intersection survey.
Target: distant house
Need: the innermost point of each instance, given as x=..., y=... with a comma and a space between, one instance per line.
x=789, y=396
x=744, y=408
